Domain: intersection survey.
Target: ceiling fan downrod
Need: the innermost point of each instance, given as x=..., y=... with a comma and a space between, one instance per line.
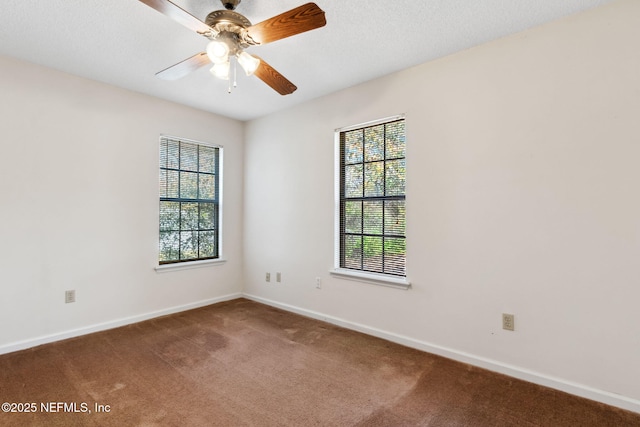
x=230, y=4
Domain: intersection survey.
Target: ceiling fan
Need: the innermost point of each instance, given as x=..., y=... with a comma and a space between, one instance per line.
x=230, y=33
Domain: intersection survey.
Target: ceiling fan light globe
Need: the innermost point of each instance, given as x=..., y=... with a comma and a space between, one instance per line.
x=218, y=52
x=248, y=63
x=221, y=70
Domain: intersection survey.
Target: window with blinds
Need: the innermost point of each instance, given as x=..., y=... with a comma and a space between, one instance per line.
x=189, y=201
x=372, y=198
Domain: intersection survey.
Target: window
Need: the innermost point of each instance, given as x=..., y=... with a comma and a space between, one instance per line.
x=189, y=201
x=371, y=236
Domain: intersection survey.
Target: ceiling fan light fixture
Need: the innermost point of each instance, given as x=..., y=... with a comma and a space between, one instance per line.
x=248, y=63
x=218, y=52
x=221, y=70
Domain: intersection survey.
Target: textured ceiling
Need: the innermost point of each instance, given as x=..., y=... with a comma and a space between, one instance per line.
x=125, y=42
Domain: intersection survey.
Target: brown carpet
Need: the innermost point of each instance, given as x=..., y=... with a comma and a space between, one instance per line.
x=243, y=363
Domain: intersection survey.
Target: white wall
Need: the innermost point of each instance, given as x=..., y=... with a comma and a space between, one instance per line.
x=79, y=206
x=522, y=197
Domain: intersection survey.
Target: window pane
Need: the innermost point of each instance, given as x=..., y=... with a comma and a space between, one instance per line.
x=188, y=157
x=163, y=153
x=207, y=187
x=372, y=253
x=169, y=245
x=188, y=185
x=162, y=183
x=206, y=240
x=395, y=140
x=373, y=217
x=395, y=177
x=353, y=181
x=374, y=179
x=394, y=217
x=188, y=244
x=189, y=216
x=207, y=159
x=207, y=216
x=173, y=184
x=394, y=246
x=173, y=154
x=374, y=143
x=169, y=216
x=353, y=144
x=395, y=251
x=353, y=217
x=353, y=252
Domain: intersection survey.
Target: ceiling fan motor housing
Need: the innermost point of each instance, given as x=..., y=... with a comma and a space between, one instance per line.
x=222, y=19
x=229, y=24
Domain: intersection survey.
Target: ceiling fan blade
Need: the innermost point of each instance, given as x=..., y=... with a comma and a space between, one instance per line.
x=277, y=81
x=178, y=14
x=185, y=67
x=304, y=18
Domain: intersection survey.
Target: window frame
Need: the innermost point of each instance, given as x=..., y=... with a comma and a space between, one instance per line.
x=383, y=279
x=196, y=263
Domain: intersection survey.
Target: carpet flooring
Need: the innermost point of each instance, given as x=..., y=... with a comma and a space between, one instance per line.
x=241, y=363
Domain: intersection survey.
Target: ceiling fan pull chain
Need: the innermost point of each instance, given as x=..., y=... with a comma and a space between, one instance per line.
x=232, y=64
x=235, y=68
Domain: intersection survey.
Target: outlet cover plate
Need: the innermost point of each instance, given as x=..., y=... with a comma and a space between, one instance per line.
x=69, y=296
x=508, y=322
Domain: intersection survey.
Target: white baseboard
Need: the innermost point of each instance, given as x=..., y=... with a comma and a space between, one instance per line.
x=21, y=345
x=492, y=365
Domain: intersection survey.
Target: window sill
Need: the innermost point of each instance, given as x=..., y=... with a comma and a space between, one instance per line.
x=165, y=268
x=372, y=278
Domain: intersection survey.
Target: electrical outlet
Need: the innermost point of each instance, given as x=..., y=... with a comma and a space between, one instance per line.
x=507, y=322
x=318, y=283
x=278, y=277
x=267, y=277
x=69, y=296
